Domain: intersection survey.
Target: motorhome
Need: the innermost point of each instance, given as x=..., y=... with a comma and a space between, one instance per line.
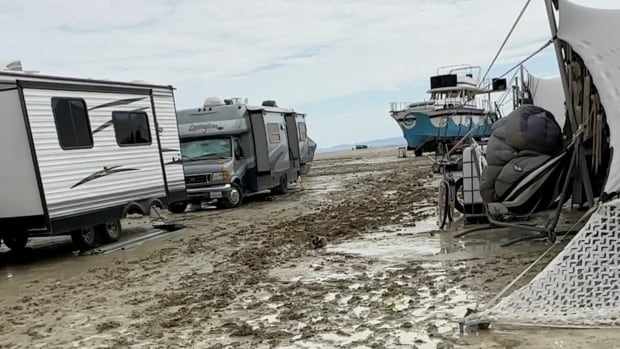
x=80, y=154
x=231, y=150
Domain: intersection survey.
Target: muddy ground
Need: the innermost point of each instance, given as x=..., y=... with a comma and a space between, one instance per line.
x=251, y=277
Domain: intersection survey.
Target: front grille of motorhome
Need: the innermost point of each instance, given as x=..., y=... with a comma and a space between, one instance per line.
x=198, y=179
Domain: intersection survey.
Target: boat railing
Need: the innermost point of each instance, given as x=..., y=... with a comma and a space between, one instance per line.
x=462, y=103
x=449, y=103
x=396, y=107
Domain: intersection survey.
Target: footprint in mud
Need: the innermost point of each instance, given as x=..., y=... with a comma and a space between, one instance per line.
x=240, y=330
x=108, y=325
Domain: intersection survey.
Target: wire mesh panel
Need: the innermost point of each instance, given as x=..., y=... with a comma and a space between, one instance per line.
x=579, y=288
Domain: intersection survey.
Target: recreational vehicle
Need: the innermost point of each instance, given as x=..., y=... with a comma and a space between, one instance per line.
x=80, y=154
x=231, y=150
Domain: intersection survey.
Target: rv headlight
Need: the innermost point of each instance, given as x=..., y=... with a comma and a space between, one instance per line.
x=221, y=176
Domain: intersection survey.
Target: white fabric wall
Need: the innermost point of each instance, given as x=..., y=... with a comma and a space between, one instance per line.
x=548, y=93
x=594, y=35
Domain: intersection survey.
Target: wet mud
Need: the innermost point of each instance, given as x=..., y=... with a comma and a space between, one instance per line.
x=350, y=259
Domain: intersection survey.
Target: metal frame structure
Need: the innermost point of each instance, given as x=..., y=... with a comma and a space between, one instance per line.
x=576, y=82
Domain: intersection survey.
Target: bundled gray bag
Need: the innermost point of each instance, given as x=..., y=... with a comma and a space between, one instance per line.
x=533, y=128
x=519, y=143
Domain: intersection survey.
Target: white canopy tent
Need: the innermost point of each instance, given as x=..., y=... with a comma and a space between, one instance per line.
x=547, y=93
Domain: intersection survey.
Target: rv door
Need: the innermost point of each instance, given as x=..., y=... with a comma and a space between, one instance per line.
x=261, y=147
x=293, y=139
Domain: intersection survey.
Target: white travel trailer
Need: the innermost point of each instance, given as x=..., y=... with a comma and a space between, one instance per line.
x=80, y=154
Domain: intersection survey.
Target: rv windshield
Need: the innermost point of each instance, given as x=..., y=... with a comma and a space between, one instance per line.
x=203, y=149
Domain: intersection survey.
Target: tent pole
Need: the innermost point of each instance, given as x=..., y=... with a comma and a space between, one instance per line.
x=558, y=211
x=561, y=66
x=583, y=169
x=522, y=89
x=516, y=97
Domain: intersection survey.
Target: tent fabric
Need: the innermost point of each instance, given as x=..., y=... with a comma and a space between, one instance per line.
x=548, y=93
x=592, y=33
x=579, y=288
x=519, y=143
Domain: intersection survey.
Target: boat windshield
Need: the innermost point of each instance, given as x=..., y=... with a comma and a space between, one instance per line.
x=208, y=148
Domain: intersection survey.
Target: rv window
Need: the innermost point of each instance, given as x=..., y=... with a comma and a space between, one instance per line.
x=238, y=149
x=72, y=124
x=205, y=149
x=274, y=133
x=131, y=128
x=303, y=133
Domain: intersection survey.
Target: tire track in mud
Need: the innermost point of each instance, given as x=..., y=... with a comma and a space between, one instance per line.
x=360, y=208
x=215, y=286
x=178, y=295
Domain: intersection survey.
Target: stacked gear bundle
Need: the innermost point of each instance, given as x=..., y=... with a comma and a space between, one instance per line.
x=520, y=143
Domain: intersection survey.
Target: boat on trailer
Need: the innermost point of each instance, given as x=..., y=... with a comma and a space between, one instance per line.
x=458, y=106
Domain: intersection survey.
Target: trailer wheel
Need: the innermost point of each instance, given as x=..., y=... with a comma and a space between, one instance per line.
x=177, y=207
x=234, y=198
x=15, y=241
x=84, y=238
x=109, y=232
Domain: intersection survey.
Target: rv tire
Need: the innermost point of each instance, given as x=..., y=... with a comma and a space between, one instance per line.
x=177, y=207
x=109, y=232
x=282, y=188
x=84, y=238
x=15, y=242
x=234, y=198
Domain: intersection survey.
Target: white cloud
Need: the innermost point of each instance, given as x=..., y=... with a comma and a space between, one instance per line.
x=292, y=51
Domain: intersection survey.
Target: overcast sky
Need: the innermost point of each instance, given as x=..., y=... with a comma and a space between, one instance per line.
x=341, y=61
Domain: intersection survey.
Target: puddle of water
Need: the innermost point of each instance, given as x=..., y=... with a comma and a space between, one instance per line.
x=383, y=255
x=389, y=249
x=396, y=246
x=309, y=273
x=421, y=341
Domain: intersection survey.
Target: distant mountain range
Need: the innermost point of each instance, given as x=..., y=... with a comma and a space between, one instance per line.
x=377, y=143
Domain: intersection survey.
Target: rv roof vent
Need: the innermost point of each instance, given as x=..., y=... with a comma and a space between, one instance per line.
x=141, y=82
x=213, y=102
x=269, y=103
x=16, y=67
